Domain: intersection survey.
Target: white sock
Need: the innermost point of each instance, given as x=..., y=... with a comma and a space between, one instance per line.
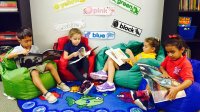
x=103, y=71
x=110, y=83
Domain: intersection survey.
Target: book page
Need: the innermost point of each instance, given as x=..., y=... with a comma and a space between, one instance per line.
x=52, y=54
x=117, y=55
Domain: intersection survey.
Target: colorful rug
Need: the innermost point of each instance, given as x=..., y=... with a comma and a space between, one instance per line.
x=74, y=102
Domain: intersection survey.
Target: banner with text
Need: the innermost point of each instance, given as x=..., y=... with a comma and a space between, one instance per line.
x=108, y=35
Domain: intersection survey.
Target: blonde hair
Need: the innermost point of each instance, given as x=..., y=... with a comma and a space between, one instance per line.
x=74, y=31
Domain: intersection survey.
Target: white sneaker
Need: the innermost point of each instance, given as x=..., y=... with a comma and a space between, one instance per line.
x=63, y=87
x=50, y=97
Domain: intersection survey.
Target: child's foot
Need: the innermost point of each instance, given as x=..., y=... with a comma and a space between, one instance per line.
x=85, y=87
x=105, y=87
x=63, y=87
x=100, y=75
x=50, y=97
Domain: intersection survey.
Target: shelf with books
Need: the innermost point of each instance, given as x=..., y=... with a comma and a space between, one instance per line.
x=194, y=43
x=14, y=14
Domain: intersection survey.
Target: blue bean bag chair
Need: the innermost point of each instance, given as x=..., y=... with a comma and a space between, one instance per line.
x=128, y=78
x=190, y=103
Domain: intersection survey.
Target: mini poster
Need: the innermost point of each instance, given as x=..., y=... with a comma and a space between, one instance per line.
x=67, y=26
x=108, y=35
x=126, y=28
x=98, y=11
x=127, y=6
x=67, y=3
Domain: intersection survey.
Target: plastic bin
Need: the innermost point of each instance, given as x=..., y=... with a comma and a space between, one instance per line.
x=188, y=32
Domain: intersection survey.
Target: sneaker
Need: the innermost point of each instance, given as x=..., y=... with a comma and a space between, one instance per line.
x=100, y=75
x=105, y=87
x=50, y=97
x=63, y=87
x=85, y=87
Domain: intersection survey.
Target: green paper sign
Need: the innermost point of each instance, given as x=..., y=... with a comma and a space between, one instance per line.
x=127, y=5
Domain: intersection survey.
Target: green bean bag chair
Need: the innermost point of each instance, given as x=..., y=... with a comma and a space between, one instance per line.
x=128, y=78
x=17, y=82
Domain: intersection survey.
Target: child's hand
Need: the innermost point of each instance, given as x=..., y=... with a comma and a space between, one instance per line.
x=172, y=93
x=165, y=75
x=75, y=54
x=129, y=52
x=24, y=52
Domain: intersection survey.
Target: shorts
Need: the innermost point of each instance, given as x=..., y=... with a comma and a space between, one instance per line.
x=40, y=68
x=125, y=66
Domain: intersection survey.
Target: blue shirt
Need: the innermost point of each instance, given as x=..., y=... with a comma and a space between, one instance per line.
x=70, y=48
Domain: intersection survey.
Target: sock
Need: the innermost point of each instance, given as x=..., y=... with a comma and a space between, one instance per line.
x=45, y=93
x=110, y=83
x=103, y=71
x=59, y=83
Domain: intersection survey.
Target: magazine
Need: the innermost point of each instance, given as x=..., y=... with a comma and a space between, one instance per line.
x=82, y=54
x=159, y=86
x=33, y=59
x=117, y=55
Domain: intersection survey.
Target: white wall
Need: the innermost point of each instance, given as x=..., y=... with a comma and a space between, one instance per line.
x=44, y=19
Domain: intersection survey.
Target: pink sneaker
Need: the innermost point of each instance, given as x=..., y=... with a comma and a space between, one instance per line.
x=100, y=75
x=105, y=87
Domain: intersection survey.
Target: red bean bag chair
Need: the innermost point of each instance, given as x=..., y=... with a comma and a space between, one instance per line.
x=64, y=73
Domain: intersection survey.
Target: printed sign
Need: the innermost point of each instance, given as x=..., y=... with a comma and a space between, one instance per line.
x=126, y=27
x=100, y=35
x=102, y=11
x=67, y=26
x=127, y=6
x=66, y=4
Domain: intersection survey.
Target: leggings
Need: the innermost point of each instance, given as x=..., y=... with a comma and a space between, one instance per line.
x=75, y=68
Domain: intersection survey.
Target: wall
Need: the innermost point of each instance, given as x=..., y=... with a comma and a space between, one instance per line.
x=44, y=19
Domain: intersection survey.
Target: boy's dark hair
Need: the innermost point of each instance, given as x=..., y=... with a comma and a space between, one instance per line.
x=24, y=32
x=154, y=42
x=176, y=40
x=74, y=31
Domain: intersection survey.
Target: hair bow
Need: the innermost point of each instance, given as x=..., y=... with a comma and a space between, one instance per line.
x=173, y=36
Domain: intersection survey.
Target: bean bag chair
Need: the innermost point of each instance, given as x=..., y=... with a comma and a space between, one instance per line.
x=64, y=73
x=17, y=82
x=128, y=78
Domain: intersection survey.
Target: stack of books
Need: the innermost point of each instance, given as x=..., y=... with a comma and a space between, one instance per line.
x=189, y=5
x=8, y=6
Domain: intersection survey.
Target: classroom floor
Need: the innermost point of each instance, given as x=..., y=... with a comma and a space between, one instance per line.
x=5, y=104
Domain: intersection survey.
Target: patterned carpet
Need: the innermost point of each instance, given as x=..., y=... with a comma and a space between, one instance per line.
x=74, y=102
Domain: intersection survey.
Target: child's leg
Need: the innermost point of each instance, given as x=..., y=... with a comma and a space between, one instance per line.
x=85, y=65
x=50, y=67
x=37, y=81
x=73, y=68
x=111, y=70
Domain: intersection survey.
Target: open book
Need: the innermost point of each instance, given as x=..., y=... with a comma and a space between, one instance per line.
x=117, y=55
x=33, y=59
x=82, y=54
x=159, y=86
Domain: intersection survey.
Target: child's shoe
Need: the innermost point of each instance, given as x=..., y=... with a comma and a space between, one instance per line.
x=85, y=87
x=50, y=97
x=100, y=75
x=105, y=87
x=63, y=87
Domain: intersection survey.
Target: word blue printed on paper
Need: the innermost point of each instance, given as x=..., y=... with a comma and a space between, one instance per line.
x=100, y=34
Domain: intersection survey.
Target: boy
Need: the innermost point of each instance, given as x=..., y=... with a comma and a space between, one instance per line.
x=25, y=39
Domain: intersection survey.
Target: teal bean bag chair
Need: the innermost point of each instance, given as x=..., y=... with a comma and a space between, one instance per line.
x=128, y=78
x=17, y=82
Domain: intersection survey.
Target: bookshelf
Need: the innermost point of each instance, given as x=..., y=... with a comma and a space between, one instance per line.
x=192, y=9
x=14, y=14
x=170, y=22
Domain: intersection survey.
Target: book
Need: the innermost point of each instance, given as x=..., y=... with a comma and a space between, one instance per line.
x=184, y=21
x=117, y=55
x=34, y=59
x=82, y=54
x=159, y=86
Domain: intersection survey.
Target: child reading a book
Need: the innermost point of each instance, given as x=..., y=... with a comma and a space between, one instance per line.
x=176, y=65
x=151, y=46
x=25, y=39
x=71, y=53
